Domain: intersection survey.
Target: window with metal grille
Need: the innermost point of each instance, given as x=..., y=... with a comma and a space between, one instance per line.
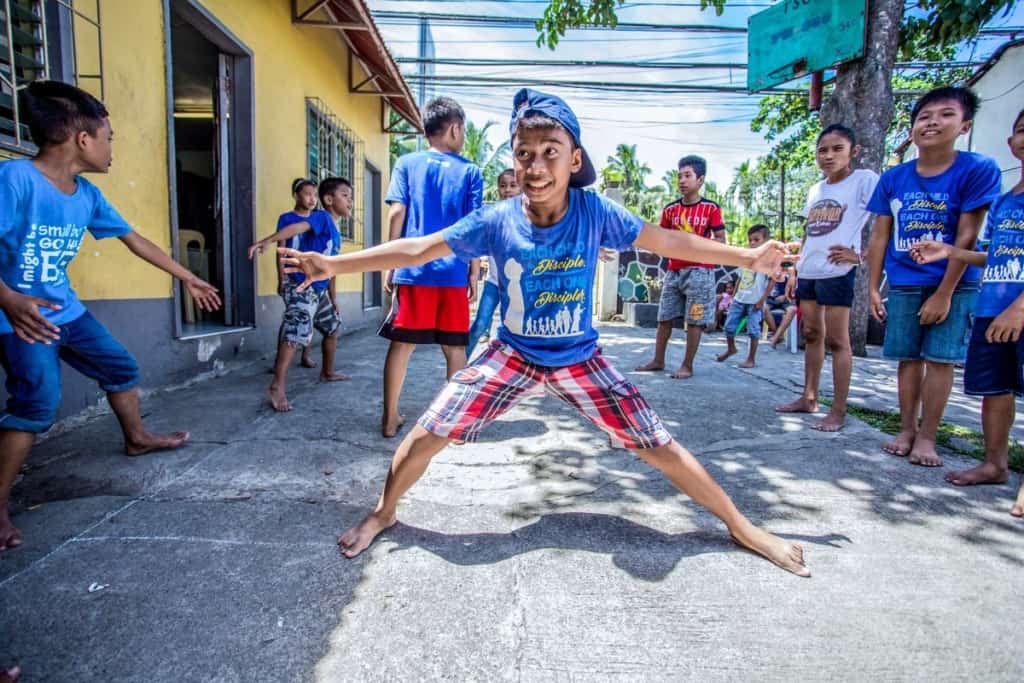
x=334, y=150
x=55, y=39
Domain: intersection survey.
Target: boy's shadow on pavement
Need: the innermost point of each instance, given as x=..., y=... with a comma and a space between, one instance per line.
x=639, y=550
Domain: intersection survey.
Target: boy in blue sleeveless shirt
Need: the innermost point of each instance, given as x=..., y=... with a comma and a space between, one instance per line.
x=545, y=245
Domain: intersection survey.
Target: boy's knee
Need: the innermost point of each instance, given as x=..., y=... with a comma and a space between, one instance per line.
x=837, y=343
x=35, y=413
x=813, y=334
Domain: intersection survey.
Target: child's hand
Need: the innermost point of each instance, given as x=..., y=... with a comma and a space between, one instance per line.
x=877, y=307
x=790, y=293
x=838, y=254
x=1006, y=327
x=935, y=309
x=471, y=291
x=314, y=266
x=930, y=251
x=26, y=320
x=256, y=248
x=606, y=254
x=769, y=258
x=389, y=282
x=203, y=293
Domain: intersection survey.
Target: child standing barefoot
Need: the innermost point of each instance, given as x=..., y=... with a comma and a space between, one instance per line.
x=748, y=303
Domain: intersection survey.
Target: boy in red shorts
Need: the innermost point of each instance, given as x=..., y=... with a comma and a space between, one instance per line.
x=545, y=245
x=429, y=191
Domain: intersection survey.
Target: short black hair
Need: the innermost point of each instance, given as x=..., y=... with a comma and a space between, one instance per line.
x=698, y=164
x=840, y=129
x=1019, y=117
x=759, y=228
x=969, y=102
x=55, y=111
x=538, y=121
x=329, y=185
x=507, y=171
x=300, y=183
x=440, y=113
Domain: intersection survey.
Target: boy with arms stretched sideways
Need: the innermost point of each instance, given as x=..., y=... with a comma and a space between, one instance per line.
x=45, y=208
x=545, y=245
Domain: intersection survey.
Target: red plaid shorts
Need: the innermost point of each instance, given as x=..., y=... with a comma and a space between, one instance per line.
x=499, y=378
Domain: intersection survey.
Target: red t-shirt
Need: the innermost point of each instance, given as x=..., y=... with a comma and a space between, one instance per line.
x=701, y=218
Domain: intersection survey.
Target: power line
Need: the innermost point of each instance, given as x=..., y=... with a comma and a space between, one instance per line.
x=528, y=22
x=472, y=61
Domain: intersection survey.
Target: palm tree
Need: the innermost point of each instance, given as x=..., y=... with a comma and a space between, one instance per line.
x=671, y=180
x=625, y=165
x=481, y=152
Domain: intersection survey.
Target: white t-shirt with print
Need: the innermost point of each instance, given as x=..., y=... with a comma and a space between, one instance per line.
x=836, y=215
x=751, y=287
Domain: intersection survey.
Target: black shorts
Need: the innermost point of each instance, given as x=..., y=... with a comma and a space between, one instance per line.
x=831, y=291
x=993, y=369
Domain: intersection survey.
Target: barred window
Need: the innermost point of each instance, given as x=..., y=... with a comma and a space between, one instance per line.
x=334, y=150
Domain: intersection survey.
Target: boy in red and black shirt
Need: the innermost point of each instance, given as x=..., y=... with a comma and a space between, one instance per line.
x=688, y=288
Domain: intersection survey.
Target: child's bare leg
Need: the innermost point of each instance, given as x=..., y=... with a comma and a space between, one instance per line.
x=276, y=393
x=730, y=349
x=997, y=413
x=751, y=353
x=661, y=338
x=306, y=361
x=1018, y=507
x=328, y=346
x=938, y=382
x=676, y=463
x=814, y=358
x=395, y=365
x=837, y=339
x=454, y=358
x=14, y=448
x=137, y=439
x=693, y=335
x=780, y=329
x=408, y=465
x=909, y=376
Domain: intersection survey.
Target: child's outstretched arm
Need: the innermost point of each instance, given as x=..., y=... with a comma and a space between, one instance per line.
x=767, y=259
x=929, y=251
x=408, y=251
x=203, y=292
x=279, y=236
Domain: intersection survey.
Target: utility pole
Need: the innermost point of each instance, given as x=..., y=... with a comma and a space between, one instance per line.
x=424, y=69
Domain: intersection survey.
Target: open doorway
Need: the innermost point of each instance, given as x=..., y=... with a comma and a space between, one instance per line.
x=372, y=235
x=211, y=170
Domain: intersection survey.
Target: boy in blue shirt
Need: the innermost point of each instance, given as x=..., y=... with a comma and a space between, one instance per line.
x=995, y=357
x=545, y=245
x=315, y=308
x=942, y=195
x=45, y=208
x=429, y=191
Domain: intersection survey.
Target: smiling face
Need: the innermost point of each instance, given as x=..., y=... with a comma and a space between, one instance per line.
x=545, y=159
x=689, y=182
x=939, y=124
x=96, y=149
x=834, y=153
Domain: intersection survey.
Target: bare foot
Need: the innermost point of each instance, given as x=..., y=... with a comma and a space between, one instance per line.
x=147, y=443
x=801, y=405
x=333, y=376
x=359, y=537
x=924, y=454
x=746, y=364
x=1018, y=508
x=783, y=553
x=682, y=373
x=307, y=362
x=389, y=429
x=830, y=423
x=278, y=399
x=985, y=473
x=774, y=342
x=901, y=445
x=725, y=354
x=650, y=367
x=10, y=536
x=10, y=675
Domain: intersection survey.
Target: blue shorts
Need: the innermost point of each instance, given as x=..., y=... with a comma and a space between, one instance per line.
x=993, y=369
x=829, y=291
x=907, y=339
x=737, y=312
x=33, y=371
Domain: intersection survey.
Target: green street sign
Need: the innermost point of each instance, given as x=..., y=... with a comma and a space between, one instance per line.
x=796, y=37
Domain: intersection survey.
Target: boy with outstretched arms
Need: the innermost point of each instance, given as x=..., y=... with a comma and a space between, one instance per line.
x=545, y=245
x=942, y=195
x=316, y=307
x=689, y=287
x=45, y=208
x=995, y=357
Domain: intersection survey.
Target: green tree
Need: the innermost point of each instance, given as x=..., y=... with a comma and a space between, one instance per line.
x=491, y=160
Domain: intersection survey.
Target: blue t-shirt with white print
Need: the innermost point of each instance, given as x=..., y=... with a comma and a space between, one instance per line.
x=929, y=208
x=437, y=190
x=322, y=237
x=41, y=231
x=1003, y=279
x=546, y=275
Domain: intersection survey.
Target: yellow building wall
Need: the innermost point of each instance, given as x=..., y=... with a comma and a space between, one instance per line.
x=290, y=63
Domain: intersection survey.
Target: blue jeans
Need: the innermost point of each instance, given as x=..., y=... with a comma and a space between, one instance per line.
x=489, y=300
x=737, y=312
x=946, y=342
x=33, y=371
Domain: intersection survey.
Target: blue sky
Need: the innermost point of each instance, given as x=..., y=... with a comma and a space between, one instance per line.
x=663, y=126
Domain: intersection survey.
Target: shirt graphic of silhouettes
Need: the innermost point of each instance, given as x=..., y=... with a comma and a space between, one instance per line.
x=437, y=190
x=836, y=215
x=703, y=218
x=1003, y=280
x=322, y=237
x=41, y=231
x=929, y=208
x=546, y=275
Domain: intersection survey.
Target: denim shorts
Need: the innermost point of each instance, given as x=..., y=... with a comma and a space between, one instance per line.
x=946, y=342
x=829, y=291
x=688, y=292
x=33, y=371
x=737, y=313
x=993, y=369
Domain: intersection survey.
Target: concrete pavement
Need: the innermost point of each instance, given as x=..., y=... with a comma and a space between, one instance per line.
x=537, y=554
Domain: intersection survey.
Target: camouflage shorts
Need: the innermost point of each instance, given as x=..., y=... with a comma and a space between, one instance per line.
x=688, y=292
x=307, y=311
